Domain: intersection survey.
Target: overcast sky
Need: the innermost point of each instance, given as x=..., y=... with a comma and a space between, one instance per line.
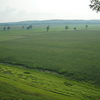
x=19, y=10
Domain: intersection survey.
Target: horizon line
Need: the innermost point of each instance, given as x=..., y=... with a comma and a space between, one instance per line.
x=51, y=20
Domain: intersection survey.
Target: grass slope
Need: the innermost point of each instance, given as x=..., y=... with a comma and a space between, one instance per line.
x=19, y=83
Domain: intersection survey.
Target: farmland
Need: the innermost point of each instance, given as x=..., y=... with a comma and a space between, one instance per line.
x=58, y=56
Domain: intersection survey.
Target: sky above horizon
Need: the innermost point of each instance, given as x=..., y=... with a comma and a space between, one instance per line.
x=19, y=10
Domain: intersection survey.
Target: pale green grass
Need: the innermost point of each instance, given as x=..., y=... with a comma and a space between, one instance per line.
x=28, y=83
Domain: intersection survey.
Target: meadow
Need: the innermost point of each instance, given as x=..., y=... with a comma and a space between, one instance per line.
x=59, y=58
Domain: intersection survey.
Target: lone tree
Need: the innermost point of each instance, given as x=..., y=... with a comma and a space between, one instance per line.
x=47, y=28
x=75, y=28
x=4, y=28
x=29, y=27
x=66, y=27
x=8, y=28
x=86, y=26
x=95, y=5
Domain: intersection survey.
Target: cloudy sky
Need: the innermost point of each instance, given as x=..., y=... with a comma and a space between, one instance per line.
x=18, y=10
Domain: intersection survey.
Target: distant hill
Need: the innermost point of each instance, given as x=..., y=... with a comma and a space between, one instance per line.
x=38, y=22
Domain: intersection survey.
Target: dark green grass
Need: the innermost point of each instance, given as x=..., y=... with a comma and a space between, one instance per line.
x=19, y=83
x=75, y=54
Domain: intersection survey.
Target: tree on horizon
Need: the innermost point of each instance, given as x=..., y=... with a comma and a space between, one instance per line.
x=47, y=28
x=86, y=26
x=66, y=27
x=75, y=28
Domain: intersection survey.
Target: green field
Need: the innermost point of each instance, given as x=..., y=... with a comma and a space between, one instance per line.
x=19, y=83
x=62, y=64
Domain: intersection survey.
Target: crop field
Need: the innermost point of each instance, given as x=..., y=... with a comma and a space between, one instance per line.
x=56, y=65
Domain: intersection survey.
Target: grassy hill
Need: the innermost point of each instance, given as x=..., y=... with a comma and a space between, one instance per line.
x=19, y=83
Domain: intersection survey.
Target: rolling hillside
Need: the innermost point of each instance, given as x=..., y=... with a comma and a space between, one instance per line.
x=19, y=83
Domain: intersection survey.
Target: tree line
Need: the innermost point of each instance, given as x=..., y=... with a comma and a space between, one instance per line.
x=47, y=27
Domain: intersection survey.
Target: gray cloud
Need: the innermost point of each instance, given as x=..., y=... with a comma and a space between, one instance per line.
x=17, y=10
